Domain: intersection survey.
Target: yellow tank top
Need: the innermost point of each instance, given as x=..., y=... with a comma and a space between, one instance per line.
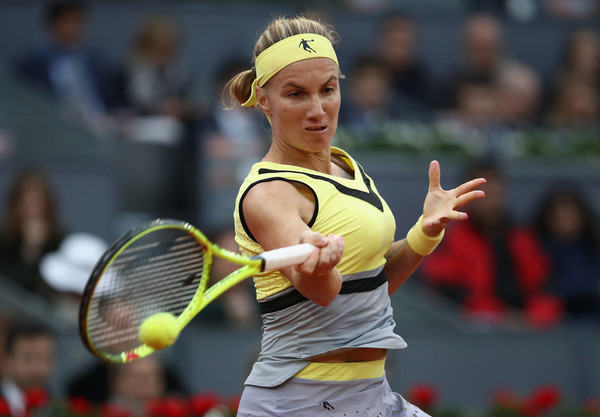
x=350, y=207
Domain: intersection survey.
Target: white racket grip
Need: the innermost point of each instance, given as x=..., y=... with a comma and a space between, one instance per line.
x=288, y=256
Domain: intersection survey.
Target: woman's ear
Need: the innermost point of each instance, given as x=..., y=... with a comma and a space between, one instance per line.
x=263, y=101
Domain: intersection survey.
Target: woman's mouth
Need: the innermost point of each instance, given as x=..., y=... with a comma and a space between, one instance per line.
x=316, y=128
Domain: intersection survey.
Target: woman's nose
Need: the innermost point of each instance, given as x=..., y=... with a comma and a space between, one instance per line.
x=316, y=108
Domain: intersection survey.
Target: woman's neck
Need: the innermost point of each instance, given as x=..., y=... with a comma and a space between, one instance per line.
x=316, y=161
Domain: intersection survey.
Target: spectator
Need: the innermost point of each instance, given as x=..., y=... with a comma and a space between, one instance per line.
x=27, y=366
x=576, y=104
x=482, y=53
x=566, y=226
x=135, y=384
x=398, y=48
x=67, y=68
x=520, y=92
x=575, y=89
x=154, y=84
x=490, y=265
x=476, y=103
x=581, y=57
x=30, y=230
x=474, y=120
x=371, y=100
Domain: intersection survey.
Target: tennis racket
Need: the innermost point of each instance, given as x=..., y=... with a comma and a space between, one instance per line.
x=160, y=266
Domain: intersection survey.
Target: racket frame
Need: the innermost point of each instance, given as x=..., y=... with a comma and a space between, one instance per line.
x=200, y=299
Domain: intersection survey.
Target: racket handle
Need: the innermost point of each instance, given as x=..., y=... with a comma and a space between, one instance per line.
x=288, y=256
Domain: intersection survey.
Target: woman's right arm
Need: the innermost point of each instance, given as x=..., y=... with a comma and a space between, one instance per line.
x=277, y=213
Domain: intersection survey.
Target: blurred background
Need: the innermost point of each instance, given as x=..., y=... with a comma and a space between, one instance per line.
x=111, y=115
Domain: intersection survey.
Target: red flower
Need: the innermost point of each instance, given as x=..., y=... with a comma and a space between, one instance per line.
x=200, y=404
x=174, y=407
x=545, y=397
x=112, y=410
x=4, y=408
x=423, y=396
x=36, y=398
x=79, y=406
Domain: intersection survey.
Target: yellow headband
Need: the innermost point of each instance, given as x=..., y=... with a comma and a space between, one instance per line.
x=285, y=52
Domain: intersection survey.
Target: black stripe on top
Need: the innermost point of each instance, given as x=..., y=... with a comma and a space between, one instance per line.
x=348, y=287
x=371, y=197
x=241, y=212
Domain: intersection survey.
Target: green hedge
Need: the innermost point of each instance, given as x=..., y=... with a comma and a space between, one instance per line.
x=421, y=138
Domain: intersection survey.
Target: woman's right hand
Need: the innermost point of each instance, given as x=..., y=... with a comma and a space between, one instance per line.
x=317, y=278
x=327, y=255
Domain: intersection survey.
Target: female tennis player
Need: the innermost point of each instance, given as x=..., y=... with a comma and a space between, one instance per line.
x=327, y=323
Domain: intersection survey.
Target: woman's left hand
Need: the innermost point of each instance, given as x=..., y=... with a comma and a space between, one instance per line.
x=441, y=206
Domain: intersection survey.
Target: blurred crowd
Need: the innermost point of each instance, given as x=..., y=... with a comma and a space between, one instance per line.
x=495, y=270
x=488, y=94
x=147, y=100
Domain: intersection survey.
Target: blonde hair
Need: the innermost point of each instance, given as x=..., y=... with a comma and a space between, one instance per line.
x=238, y=89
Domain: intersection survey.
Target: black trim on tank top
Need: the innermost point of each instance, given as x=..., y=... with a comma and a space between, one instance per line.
x=241, y=212
x=348, y=287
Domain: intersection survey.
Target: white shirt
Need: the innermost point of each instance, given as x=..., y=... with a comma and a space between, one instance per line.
x=15, y=398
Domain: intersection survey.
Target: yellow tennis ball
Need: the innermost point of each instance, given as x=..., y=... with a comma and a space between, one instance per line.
x=159, y=330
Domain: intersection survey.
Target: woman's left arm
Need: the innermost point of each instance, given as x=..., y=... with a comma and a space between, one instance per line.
x=440, y=208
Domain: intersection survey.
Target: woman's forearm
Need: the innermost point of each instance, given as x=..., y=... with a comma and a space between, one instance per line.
x=402, y=261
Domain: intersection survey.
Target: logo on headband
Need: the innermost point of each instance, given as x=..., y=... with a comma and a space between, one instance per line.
x=304, y=44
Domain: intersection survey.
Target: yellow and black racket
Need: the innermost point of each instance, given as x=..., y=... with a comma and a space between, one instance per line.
x=160, y=266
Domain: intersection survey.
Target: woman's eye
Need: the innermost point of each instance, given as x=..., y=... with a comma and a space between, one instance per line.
x=294, y=94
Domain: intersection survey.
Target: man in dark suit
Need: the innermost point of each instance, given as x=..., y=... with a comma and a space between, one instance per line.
x=67, y=68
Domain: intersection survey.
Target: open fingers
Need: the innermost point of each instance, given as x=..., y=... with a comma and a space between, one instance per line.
x=434, y=175
x=466, y=198
x=469, y=186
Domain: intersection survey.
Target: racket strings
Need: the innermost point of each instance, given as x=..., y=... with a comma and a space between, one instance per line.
x=158, y=272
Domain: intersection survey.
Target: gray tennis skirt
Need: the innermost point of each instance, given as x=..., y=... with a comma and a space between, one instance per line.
x=300, y=397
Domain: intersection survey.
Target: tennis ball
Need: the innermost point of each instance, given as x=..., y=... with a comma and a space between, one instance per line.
x=159, y=330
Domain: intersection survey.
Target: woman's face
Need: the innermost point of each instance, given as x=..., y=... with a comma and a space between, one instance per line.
x=302, y=102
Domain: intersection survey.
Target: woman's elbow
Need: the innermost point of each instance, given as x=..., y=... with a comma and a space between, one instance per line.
x=322, y=296
x=323, y=301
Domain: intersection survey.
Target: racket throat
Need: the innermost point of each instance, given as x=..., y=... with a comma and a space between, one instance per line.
x=262, y=261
